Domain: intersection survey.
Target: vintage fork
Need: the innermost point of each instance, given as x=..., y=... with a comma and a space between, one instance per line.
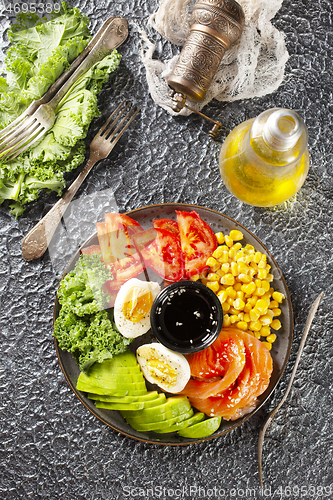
x=36, y=242
x=39, y=117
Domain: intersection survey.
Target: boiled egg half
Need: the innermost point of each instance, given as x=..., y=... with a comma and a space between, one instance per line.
x=168, y=369
x=132, y=307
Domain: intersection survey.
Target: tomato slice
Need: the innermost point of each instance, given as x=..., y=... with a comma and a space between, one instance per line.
x=92, y=250
x=161, y=251
x=168, y=225
x=115, y=237
x=198, y=241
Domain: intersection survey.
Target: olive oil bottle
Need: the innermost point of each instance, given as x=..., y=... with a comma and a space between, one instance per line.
x=265, y=160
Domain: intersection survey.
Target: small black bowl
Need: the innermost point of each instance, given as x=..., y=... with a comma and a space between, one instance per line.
x=186, y=317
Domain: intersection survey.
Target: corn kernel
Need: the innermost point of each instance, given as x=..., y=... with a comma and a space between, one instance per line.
x=228, y=241
x=270, y=313
x=252, y=272
x=242, y=325
x=194, y=277
x=213, y=277
x=261, y=306
x=244, y=278
x=276, y=324
x=268, y=345
x=257, y=335
x=257, y=282
x=264, y=257
x=225, y=267
x=249, y=248
x=265, y=320
x=218, y=252
x=254, y=315
x=240, y=295
x=231, y=292
x=240, y=316
x=225, y=307
x=278, y=297
x=248, y=307
x=265, y=285
x=213, y=285
x=238, y=287
x=270, y=277
x=230, y=301
x=237, y=246
x=233, y=318
x=255, y=326
x=248, y=289
x=220, y=238
x=262, y=273
x=232, y=310
x=247, y=318
x=271, y=338
x=260, y=292
x=222, y=295
x=267, y=298
x=232, y=253
x=226, y=320
x=228, y=279
x=213, y=264
x=236, y=235
x=253, y=300
x=224, y=257
x=234, y=268
x=276, y=311
x=239, y=304
x=265, y=331
x=273, y=304
x=262, y=265
x=257, y=257
x=239, y=255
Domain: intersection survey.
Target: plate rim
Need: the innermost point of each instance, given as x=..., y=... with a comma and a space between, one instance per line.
x=238, y=422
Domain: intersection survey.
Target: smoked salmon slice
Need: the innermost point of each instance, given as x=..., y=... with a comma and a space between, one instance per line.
x=241, y=396
x=216, y=368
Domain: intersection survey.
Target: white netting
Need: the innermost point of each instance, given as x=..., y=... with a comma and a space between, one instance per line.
x=253, y=67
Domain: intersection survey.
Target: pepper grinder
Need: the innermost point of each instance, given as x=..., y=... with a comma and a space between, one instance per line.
x=215, y=26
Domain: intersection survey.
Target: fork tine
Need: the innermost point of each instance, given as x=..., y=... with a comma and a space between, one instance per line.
x=5, y=139
x=103, y=127
x=136, y=111
x=13, y=152
x=17, y=121
x=30, y=129
x=114, y=132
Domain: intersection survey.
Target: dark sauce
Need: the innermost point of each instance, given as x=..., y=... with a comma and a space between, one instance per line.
x=186, y=317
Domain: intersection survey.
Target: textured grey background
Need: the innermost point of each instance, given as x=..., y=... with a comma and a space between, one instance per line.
x=51, y=447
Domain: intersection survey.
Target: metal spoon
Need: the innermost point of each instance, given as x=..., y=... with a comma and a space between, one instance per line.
x=270, y=417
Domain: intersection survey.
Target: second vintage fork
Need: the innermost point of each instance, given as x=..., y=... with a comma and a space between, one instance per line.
x=37, y=240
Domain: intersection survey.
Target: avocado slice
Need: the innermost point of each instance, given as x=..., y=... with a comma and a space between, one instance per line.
x=150, y=396
x=131, y=406
x=198, y=417
x=171, y=408
x=152, y=426
x=122, y=378
x=115, y=390
x=202, y=429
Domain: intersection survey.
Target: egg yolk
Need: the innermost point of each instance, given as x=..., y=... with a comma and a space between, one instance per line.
x=162, y=372
x=137, y=304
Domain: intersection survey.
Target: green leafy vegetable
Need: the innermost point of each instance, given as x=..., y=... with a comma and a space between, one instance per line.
x=41, y=51
x=84, y=326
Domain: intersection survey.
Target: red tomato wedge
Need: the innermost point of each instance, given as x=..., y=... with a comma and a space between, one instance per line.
x=168, y=225
x=92, y=250
x=161, y=251
x=115, y=237
x=198, y=241
x=241, y=396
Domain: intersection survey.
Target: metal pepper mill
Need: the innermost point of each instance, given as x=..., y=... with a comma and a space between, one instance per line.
x=215, y=26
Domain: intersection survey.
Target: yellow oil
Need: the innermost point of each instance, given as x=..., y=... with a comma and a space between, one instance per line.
x=258, y=175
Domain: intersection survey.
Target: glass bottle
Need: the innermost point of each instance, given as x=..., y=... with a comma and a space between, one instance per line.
x=265, y=160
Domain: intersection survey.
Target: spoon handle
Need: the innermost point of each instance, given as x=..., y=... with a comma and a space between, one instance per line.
x=270, y=417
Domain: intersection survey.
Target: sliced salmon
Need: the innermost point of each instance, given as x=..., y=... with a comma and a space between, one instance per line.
x=240, y=397
x=216, y=368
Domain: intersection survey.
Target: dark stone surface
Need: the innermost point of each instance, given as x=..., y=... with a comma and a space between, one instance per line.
x=51, y=446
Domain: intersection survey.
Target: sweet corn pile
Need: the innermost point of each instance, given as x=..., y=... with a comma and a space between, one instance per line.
x=241, y=279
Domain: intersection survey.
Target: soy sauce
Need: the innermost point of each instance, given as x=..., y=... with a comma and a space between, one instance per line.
x=187, y=316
